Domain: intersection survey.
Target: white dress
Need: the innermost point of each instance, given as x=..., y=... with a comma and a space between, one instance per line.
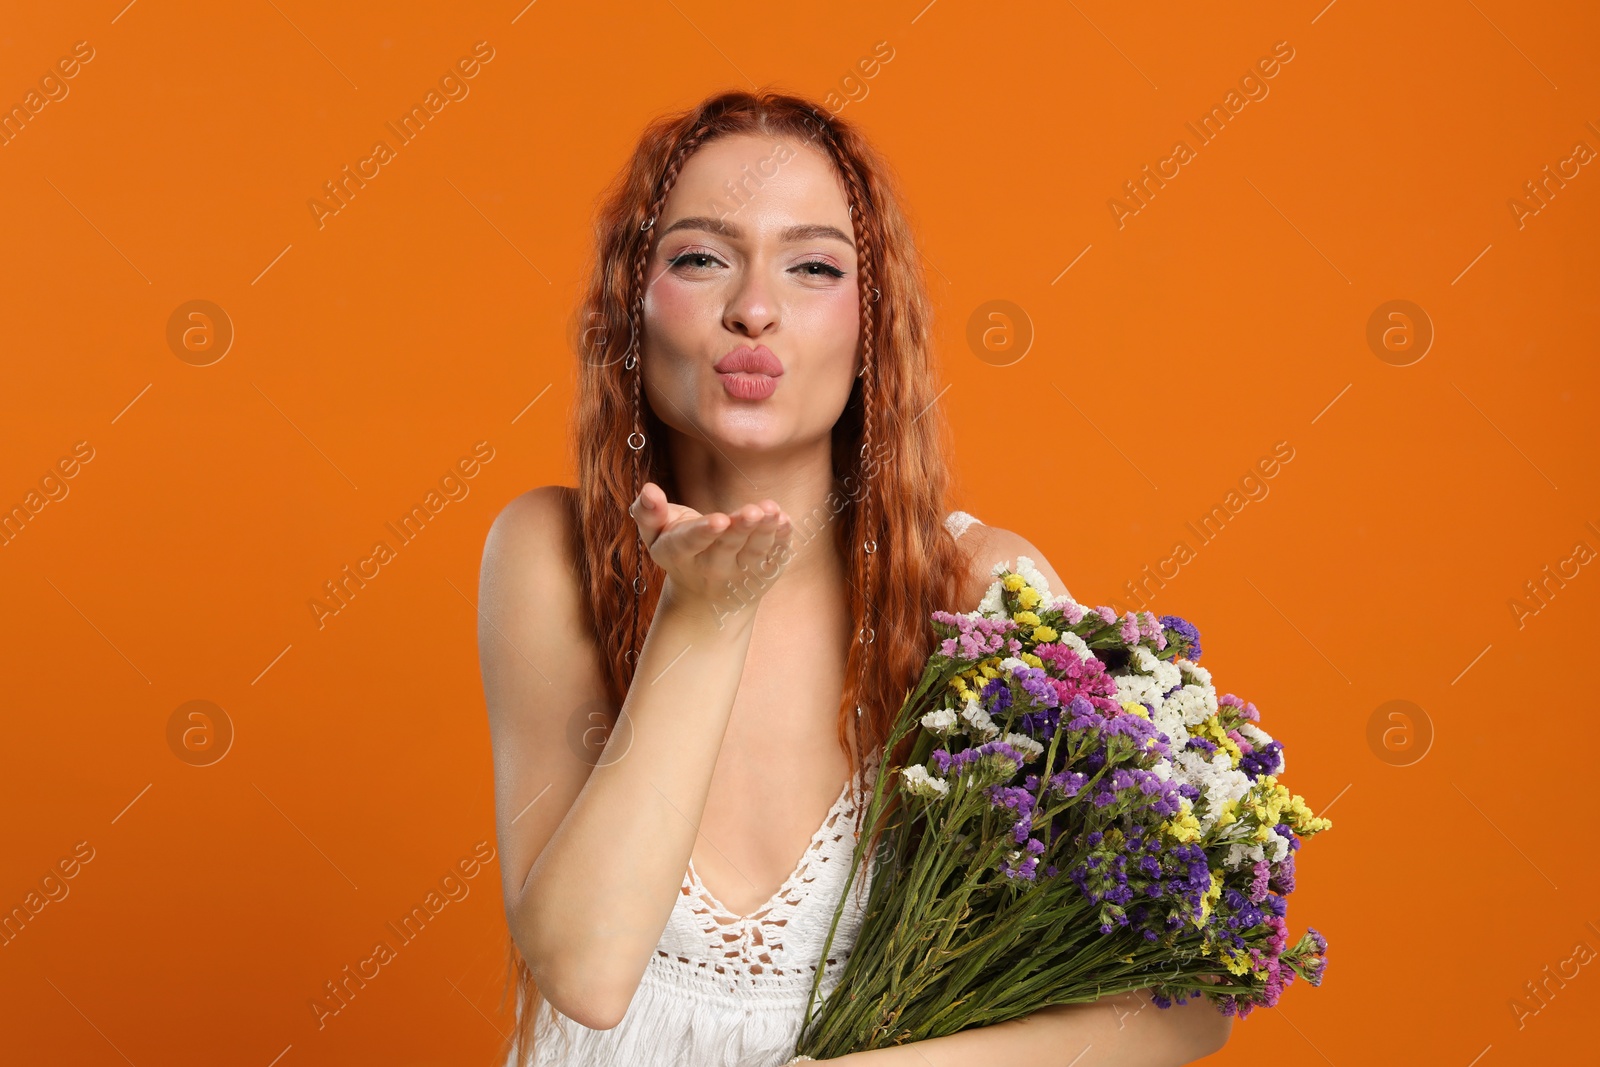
x=726, y=990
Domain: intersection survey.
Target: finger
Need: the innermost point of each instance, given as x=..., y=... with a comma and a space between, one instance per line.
x=692, y=537
x=721, y=556
x=782, y=542
x=758, y=547
x=649, y=512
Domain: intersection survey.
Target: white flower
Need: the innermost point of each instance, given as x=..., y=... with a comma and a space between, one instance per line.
x=1031, y=575
x=941, y=722
x=1076, y=643
x=1254, y=734
x=1242, y=855
x=1216, y=779
x=974, y=714
x=993, y=602
x=1138, y=688
x=1030, y=749
x=1193, y=705
x=922, y=784
x=1279, y=847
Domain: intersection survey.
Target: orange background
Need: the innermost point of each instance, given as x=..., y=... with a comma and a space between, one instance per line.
x=372, y=353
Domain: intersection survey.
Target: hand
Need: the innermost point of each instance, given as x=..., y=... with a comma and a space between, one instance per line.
x=721, y=562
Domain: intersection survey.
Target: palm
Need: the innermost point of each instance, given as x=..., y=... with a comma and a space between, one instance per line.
x=678, y=519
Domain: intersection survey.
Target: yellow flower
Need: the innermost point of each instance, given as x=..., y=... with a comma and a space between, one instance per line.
x=1228, y=814
x=1211, y=897
x=1030, y=597
x=1212, y=731
x=1133, y=707
x=1030, y=659
x=1302, y=821
x=1013, y=582
x=1183, y=827
x=1044, y=633
x=1026, y=618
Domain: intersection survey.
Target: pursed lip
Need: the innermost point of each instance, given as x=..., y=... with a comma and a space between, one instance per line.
x=757, y=360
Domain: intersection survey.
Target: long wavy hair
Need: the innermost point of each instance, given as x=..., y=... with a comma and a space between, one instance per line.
x=889, y=444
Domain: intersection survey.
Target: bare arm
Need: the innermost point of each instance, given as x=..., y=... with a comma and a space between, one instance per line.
x=1126, y=1030
x=592, y=857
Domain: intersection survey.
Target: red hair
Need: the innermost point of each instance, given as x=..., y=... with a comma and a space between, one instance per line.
x=889, y=444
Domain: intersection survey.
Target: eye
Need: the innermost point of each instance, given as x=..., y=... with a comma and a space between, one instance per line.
x=828, y=269
x=690, y=258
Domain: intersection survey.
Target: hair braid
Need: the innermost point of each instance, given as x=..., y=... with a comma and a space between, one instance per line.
x=641, y=259
x=864, y=572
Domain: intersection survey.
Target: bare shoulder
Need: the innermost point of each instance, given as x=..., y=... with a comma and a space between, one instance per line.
x=541, y=671
x=987, y=545
x=538, y=518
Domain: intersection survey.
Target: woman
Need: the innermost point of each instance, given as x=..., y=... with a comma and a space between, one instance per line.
x=686, y=655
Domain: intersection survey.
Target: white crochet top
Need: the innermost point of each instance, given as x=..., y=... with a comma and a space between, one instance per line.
x=727, y=990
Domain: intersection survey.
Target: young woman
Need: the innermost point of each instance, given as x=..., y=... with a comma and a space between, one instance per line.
x=691, y=658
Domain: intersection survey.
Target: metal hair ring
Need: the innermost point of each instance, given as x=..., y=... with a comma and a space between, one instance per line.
x=647, y=224
x=870, y=632
x=630, y=361
x=869, y=546
x=640, y=436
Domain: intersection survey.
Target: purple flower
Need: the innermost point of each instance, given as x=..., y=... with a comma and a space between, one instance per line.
x=1186, y=633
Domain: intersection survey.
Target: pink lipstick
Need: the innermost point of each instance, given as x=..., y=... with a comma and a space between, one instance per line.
x=749, y=373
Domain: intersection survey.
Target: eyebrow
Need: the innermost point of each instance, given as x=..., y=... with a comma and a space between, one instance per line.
x=803, y=232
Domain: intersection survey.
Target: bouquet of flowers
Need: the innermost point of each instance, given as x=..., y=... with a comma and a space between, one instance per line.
x=1080, y=815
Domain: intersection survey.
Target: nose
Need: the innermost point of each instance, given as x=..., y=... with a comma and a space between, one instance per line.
x=751, y=309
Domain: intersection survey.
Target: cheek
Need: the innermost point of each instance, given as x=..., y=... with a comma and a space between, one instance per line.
x=835, y=321
x=675, y=315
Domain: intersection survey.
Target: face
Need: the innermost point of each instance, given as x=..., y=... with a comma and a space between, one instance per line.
x=755, y=255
